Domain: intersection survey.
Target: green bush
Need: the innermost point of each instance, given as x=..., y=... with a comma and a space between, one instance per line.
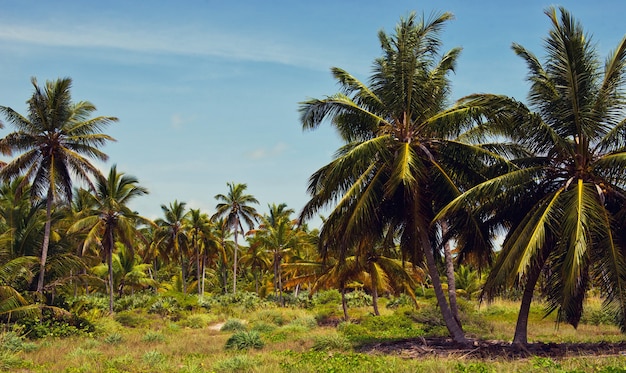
x=358, y=298
x=381, y=328
x=50, y=325
x=198, y=320
x=244, y=340
x=153, y=358
x=239, y=363
x=402, y=300
x=14, y=342
x=151, y=336
x=130, y=319
x=113, y=338
x=263, y=327
x=327, y=297
x=332, y=342
x=233, y=325
x=131, y=302
x=166, y=306
x=598, y=316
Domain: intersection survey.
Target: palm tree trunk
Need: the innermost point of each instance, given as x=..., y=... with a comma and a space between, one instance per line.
x=46, y=242
x=110, y=265
x=344, y=302
x=203, y=273
x=447, y=253
x=374, y=288
x=453, y=327
x=195, y=242
x=183, y=273
x=235, y=261
x=451, y=282
x=520, y=338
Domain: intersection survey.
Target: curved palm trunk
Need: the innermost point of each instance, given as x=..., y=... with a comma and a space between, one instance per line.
x=46, y=243
x=520, y=338
x=453, y=327
x=374, y=288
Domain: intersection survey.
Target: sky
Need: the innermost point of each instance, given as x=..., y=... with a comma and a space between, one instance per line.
x=207, y=92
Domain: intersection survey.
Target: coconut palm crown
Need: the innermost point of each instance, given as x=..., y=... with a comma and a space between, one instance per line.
x=565, y=203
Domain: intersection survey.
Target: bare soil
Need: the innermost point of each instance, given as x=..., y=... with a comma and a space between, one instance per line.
x=491, y=350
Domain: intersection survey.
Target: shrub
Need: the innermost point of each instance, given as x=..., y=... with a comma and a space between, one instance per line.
x=113, y=338
x=153, y=357
x=233, y=325
x=130, y=319
x=50, y=325
x=402, y=300
x=331, y=342
x=381, y=328
x=151, y=336
x=198, y=320
x=327, y=297
x=308, y=322
x=263, y=327
x=131, y=302
x=239, y=363
x=358, y=298
x=244, y=340
x=14, y=342
x=166, y=306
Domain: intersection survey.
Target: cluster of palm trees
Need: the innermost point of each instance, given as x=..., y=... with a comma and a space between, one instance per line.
x=418, y=185
x=417, y=173
x=58, y=239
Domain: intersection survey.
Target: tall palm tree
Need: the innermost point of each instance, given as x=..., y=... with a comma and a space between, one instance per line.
x=56, y=137
x=111, y=220
x=235, y=207
x=564, y=199
x=199, y=226
x=400, y=162
x=172, y=236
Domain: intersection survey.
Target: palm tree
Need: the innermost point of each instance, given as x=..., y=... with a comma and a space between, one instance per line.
x=199, y=226
x=235, y=207
x=172, y=235
x=400, y=162
x=55, y=138
x=565, y=198
x=111, y=220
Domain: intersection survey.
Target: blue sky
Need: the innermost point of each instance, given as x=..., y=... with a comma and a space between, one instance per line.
x=207, y=92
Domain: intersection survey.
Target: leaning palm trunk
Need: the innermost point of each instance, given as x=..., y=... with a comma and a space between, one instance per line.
x=374, y=288
x=520, y=337
x=453, y=327
x=454, y=307
x=46, y=243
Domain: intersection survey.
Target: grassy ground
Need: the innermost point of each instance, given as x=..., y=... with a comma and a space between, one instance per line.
x=292, y=341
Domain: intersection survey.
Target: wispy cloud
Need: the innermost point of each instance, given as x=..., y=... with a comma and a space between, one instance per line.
x=182, y=40
x=262, y=153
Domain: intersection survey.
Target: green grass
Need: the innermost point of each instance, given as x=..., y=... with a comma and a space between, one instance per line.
x=292, y=341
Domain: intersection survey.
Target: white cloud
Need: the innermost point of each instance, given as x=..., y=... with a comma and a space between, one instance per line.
x=175, y=40
x=176, y=121
x=262, y=153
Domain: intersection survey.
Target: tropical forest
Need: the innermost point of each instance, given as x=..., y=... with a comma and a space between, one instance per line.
x=483, y=234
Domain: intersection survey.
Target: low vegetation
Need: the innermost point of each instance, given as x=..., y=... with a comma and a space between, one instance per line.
x=270, y=338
